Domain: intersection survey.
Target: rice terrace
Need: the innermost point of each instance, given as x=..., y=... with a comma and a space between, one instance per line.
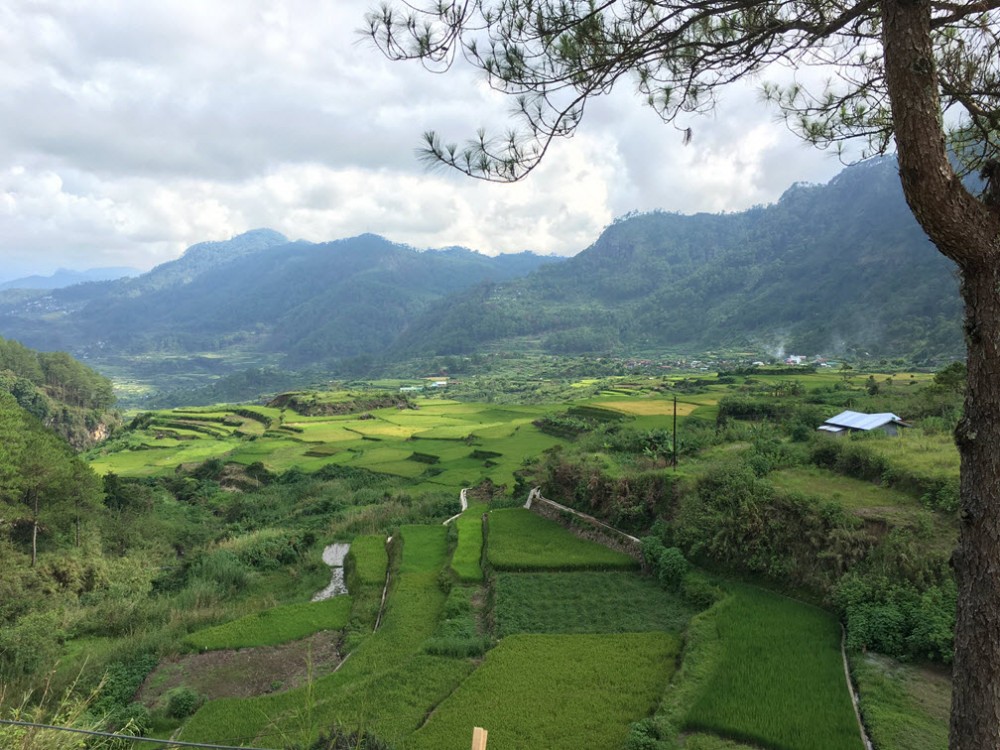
x=742, y=600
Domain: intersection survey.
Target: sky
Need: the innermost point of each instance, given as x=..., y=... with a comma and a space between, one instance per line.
x=131, y=130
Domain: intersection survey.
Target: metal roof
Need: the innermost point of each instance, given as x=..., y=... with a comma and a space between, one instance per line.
x=856, y=420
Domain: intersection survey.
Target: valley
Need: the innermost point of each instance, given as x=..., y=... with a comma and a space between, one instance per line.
x=763, y=537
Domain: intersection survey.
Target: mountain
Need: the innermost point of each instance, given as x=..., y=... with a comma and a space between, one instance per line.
x=840, y=268
x=256, y=299
x=65, y=277
x=65, y=395
x=835, y=268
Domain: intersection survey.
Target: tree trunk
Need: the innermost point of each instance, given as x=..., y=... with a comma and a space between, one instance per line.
x=975, y=717
x=34, y=532
x=968, y=232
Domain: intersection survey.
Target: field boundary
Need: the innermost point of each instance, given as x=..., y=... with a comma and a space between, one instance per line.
x=464, y=500
x=850, y=689
x=599, y=532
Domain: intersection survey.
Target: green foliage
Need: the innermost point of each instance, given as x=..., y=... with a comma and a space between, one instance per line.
x=223, y=569
x=785, y=692
x=276, y=625
x=458, y=633
x=366, y=561
x=182, y=701
x=671, y=568
x=522, y=540
x=32, y=645
x=602, y=683
x=902, y=706
x=121, y=682
x=468, y=553
x=585, y=602
x=897, y=618
x=339, y=739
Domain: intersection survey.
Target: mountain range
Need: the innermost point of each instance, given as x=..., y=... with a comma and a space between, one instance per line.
x=66, y=277
x=836, y=268
x=841, y=268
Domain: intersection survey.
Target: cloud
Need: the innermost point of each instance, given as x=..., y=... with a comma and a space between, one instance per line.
x=141, y=128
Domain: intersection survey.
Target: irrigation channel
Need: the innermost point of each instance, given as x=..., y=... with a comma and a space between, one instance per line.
x=333, y=555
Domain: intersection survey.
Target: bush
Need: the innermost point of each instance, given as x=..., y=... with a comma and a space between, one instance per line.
x=132, y=719
x=671, y=568
x=699, y=591
x=223, y=568
x=182, y=702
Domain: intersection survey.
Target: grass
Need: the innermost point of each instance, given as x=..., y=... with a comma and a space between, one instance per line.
x=559, y=692
x=585, y=602
x=383, y=444
x=466, y=559
x=273, y=626
x=369, y=559
x=904, y=706
x=927, y=455
x=387, y=684
x=649, y=407
x=458, y=633
x=778, y=679
x=519, y=540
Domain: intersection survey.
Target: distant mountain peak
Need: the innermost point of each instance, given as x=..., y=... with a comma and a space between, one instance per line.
x=255, y=239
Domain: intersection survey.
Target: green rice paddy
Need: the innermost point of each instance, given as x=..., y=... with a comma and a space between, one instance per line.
x=586, y=602
x=519, y=540
x=559, y=692
x=275, y=625
x=778, y=678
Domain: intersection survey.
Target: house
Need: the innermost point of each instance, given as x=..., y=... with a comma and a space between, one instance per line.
x=854, y=421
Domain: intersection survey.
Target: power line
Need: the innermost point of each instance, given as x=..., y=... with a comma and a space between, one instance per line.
x=171, y=743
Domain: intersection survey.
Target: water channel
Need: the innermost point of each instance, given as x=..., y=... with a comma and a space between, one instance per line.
x=333, y=555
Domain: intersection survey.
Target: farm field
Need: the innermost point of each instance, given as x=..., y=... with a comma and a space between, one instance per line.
x=520, y=541
x=586, y=602
x=484, y=624
x=777, y=678
x=561, y=692
x=434, y=444
x=904, y=705
x=273, y=626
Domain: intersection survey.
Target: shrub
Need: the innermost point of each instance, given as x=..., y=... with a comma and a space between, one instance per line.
x=671, y=568
x=223, y=568
x=182, y=702
x=699, y=591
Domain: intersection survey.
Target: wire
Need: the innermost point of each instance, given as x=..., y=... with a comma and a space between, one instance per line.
x=171, y=743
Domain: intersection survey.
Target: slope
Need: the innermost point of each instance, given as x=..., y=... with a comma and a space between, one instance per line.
x=833, y=268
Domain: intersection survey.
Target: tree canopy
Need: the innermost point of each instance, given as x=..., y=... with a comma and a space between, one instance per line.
x=554, y=56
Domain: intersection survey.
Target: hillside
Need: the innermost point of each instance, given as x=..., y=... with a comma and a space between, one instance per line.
x=63, y=394
x=835, y=268
x=254, y=298
x=839, y=269
x=65, y=277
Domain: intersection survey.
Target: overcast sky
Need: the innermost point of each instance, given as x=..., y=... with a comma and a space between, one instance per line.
x=130, y=130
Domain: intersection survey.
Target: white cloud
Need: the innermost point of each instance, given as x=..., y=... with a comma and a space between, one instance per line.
x=137, y=129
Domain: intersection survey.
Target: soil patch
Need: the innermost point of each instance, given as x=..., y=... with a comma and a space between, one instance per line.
x=245, y=672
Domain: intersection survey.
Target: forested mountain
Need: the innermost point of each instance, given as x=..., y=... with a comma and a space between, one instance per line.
x=63, y=394
x=840, y=268
x=258, y=293
x=831, y=268
x=65, y=277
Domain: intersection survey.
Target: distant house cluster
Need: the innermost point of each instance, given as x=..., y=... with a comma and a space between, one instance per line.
x=855, y=421
x=416, y=388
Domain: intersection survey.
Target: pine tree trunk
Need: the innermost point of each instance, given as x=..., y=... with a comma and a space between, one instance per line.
x=34, y=532
x=968, y=232
x=975, y=718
